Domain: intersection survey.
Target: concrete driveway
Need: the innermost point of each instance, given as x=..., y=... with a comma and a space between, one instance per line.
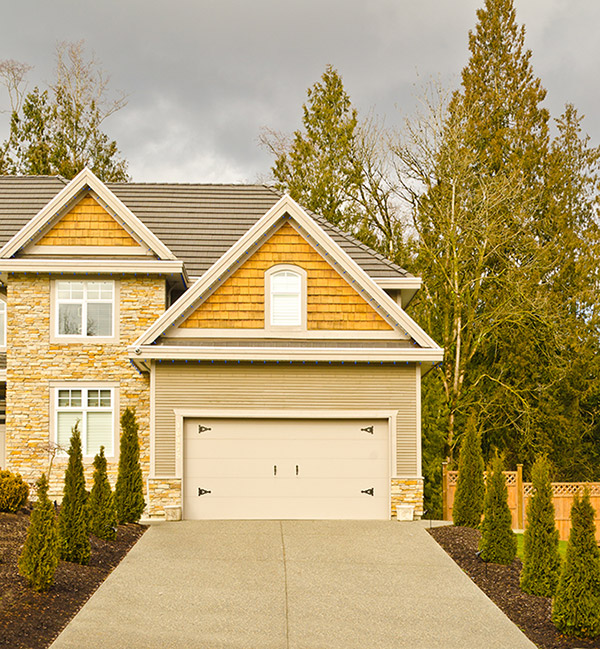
x=289, y=585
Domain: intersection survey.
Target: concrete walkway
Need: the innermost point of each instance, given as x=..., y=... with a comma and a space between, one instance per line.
x=289, y=585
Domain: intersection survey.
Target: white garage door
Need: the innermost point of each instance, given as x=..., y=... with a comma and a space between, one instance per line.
x=286, y=468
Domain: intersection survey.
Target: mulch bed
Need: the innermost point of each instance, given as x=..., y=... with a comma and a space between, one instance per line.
x=501, y=584
x=30, y=620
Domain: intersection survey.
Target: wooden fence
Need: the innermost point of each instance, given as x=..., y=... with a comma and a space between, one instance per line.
x=520, y=492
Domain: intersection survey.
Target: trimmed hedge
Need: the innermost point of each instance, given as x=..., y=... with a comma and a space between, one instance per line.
x=13, y=492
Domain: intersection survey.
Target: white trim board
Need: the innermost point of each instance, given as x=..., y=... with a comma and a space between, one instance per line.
x=284, y=354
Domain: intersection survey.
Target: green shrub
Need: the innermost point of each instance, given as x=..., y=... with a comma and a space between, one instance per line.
x=103, y=519
x=73, y=517
x=129, y=490
x=498, y=543
x=470, y=488
x=13, y=492
x=39, y=556
x=541, y=561
x=576, y=605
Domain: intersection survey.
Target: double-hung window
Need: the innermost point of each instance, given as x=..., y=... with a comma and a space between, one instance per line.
x=85, y=308
x=93, y=409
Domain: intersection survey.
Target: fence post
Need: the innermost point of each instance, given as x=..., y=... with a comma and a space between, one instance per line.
x=520, y=498
x=445, y=512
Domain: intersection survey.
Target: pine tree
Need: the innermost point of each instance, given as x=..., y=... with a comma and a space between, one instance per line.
x=73, y=520
x=541, y=563
x=129, y=490
x=576, y=605
x=39, y=557
x=498, y=543
x=470, y=487
x=317, y=168
x=103, y=519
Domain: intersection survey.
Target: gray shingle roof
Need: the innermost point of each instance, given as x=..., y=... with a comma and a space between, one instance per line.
x=198, y=223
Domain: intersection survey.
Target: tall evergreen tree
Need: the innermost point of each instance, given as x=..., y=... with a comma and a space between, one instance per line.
x=470, y=487
x=73, y=520
x=103, y=518
x=129, y=490
x=576, y=606
x=541, y=562
x=317, y=169
x=498, y=542
x=39, y=557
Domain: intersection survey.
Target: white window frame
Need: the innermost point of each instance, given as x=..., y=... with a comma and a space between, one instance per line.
x=85, y=388
x=3, y=330
x=274, y=270
x=55, y=336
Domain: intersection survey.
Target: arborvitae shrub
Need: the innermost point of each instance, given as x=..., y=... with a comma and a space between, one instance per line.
x=73, y=516
x=13, y=491
x=498, y=542
x=541, y=562
x=576, y=605
x=470, y=487
x=129, y=490
x=103, y=519
x=39, y=556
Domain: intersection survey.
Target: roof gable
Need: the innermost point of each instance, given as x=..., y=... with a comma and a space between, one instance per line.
x=287, y=209
x=239, y=302
x=49, y=224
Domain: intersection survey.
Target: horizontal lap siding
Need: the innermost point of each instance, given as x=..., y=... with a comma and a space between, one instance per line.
x=300, y=387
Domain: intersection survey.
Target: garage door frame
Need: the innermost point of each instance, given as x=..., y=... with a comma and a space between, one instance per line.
x=211, y=413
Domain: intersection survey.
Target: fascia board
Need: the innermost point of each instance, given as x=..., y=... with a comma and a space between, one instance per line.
x=82, y=179
x=76, y=266
x=398, y=282
x=284, y=354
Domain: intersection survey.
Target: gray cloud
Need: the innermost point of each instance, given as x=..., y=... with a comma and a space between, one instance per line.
x=204, y=76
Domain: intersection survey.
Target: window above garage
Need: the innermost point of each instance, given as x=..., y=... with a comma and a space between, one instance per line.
x=285, y=298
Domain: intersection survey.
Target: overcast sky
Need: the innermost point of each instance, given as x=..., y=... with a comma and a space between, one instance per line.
x=204, y=76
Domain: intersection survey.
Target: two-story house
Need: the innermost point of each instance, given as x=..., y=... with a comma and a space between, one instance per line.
x=272, y=367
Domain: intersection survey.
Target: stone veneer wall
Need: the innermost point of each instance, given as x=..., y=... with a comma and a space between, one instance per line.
x=163, y=492
x=408, y=491
x=33, y=362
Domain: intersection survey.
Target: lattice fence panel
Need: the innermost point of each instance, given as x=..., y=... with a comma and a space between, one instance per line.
x=563, y=494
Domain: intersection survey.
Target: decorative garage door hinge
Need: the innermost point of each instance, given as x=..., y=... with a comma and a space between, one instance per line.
x=369, y=492
x=368, y=429
x=203, y=429
x=201, y=491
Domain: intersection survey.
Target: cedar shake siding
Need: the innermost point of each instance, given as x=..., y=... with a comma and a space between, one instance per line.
x=331, y=302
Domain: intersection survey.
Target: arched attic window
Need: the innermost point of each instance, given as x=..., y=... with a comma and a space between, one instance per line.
x=286, y=297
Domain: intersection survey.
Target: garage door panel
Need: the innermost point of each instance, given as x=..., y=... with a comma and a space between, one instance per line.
x=284, y=449
x=232, y=462
x=285, y=488
x=276, y=429
x=307, y=468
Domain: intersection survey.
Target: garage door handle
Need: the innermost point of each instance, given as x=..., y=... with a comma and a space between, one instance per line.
x=274, y=469
x=201, y=491
x=369, y=492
